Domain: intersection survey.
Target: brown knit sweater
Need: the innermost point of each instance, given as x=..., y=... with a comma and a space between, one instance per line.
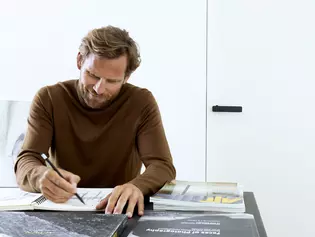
x=105, y=147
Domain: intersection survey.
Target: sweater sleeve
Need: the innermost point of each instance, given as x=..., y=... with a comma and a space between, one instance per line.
x=29, y=165
x=154, y=150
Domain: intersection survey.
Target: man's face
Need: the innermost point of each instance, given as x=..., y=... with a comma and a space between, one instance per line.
x=100, y=79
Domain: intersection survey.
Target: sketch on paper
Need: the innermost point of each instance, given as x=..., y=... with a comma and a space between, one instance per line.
x=13, y=123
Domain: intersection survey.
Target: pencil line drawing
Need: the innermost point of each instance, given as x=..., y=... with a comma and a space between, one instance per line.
x=13, y=124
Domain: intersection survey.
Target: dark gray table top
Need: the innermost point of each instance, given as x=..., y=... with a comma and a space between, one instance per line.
x=251, y=208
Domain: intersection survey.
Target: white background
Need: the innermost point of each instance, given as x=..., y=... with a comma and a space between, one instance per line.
x=260, y=55
x=40, y=40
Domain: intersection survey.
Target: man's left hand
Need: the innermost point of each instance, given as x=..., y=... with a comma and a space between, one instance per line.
x=116, y=201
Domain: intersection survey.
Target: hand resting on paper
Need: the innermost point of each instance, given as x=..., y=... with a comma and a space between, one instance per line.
x=116, y=201
x=55, y=188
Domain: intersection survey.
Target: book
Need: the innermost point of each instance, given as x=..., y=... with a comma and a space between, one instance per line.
x=16, y=199
x=200, y=196
x=189, y=224
x=61, y=224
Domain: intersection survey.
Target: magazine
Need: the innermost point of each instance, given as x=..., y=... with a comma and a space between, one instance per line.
x=164, y=224
x=200, y=196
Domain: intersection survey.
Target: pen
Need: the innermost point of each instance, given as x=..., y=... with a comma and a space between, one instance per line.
x=55, y=169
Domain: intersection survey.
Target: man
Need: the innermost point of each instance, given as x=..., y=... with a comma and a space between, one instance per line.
x=98, y=130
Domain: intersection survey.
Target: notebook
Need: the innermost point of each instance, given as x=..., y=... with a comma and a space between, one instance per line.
x=61, y=224
x=16, y=199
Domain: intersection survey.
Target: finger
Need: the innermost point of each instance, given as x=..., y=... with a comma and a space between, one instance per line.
x=50, y=196
x=122, y=200
x=56, y=190
x=140, y=205
x=61, y=183
x=102, y=204
x=44, y=184
x=131, y=205
x=69, y=181
x=113, y=200
x=70, y=177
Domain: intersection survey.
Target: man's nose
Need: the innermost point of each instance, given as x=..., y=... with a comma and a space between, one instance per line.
x=99, y=87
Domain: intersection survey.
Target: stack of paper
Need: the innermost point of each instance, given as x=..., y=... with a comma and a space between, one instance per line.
x=200, y=196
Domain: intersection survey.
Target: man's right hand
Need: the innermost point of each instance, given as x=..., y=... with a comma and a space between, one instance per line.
x=56, y=188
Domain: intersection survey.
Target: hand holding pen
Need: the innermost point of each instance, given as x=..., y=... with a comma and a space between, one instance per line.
x=58, y=185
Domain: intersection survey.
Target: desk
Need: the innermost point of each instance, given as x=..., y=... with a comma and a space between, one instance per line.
x=251, y=208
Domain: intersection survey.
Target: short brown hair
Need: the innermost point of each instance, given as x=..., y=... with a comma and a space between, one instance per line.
x=111, y=42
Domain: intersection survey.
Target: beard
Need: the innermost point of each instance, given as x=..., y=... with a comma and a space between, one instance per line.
x=91, y=98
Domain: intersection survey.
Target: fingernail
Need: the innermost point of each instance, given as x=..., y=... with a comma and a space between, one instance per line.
x=129, y=214
x=107, y=212
x=140, y=213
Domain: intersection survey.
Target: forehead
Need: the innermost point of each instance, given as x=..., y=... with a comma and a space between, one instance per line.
x=104, y=67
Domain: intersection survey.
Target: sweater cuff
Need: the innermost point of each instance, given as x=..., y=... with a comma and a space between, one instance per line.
x=140, y=185
x=28, y=171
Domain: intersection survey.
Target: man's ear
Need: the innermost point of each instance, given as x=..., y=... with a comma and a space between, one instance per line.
x=79, y=60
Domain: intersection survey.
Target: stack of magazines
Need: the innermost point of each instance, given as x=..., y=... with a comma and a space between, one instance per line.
x=200, y=196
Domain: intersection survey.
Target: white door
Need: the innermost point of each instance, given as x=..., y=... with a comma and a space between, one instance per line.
x=261, y=56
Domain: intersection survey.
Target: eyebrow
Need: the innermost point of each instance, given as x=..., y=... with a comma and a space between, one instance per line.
x=92, y=73
x=111, y=79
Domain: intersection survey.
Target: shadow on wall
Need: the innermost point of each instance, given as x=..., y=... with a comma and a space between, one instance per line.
x=17, y=147
x=13, y=124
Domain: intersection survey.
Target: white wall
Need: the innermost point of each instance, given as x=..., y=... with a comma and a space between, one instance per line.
x=261, y=55
x=39, y=42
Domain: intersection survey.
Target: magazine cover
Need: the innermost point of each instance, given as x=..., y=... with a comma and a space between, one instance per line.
x=61, y=224
x=204, y=188
x=199, y=192
x=164, y=224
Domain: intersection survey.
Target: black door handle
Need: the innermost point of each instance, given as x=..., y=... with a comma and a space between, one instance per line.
x=235, y=109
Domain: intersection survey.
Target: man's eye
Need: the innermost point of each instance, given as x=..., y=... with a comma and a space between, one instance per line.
x=92, y=75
